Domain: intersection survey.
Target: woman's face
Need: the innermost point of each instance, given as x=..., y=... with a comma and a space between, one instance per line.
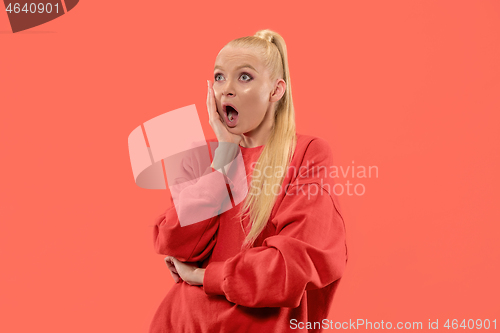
x=242, y=80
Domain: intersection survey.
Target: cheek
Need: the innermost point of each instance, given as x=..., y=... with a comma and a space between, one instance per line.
x=256, y=101
x=257, y=98
x=264, y=94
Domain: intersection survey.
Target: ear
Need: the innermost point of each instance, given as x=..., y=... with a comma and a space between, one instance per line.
x=278, y=91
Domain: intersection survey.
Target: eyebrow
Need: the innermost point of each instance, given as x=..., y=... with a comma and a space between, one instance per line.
x=241, y=66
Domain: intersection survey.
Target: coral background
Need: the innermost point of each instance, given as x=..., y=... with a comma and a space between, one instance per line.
x=411, y=87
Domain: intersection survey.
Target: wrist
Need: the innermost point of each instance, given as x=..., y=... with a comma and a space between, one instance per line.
x=199, y=275
x=224, y=154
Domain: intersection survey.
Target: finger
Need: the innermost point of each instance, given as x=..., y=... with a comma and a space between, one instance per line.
x=212, y=97
x=176, y=264
x=172, y=268
x=170, y=264
x=212, y=105
x=208, y=98
x=175, y=277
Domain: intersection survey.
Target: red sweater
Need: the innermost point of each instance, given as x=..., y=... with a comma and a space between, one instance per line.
x=287, y=279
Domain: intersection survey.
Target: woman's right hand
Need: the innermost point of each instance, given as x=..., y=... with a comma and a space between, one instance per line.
x=217, y=121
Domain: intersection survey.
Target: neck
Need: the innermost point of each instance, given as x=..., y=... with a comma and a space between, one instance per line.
x=258, y=136
x=250, y=140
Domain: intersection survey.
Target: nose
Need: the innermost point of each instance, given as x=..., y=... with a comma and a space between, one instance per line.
x=228, y=88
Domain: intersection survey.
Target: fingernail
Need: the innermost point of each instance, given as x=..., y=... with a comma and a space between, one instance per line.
x=208, y=83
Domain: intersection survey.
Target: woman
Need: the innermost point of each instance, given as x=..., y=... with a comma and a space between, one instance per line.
x=273, y=262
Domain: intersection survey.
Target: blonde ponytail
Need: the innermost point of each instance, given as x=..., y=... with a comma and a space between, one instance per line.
x=278, y=151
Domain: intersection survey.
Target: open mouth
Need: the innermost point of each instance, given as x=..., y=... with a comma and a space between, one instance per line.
x=230, y=115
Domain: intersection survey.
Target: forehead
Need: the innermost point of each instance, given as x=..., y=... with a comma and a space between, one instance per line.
x=230, y=57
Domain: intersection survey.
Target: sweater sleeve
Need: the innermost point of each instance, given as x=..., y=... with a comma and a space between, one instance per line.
x=308, y=252
x=199, y=202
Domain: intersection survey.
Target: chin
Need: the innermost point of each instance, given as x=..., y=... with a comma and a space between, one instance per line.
x=234, y=130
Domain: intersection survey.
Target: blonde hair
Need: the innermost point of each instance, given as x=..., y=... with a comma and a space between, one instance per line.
x=279, y=148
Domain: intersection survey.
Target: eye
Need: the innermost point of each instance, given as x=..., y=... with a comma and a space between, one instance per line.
x=246, y=77
x=217, y=76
